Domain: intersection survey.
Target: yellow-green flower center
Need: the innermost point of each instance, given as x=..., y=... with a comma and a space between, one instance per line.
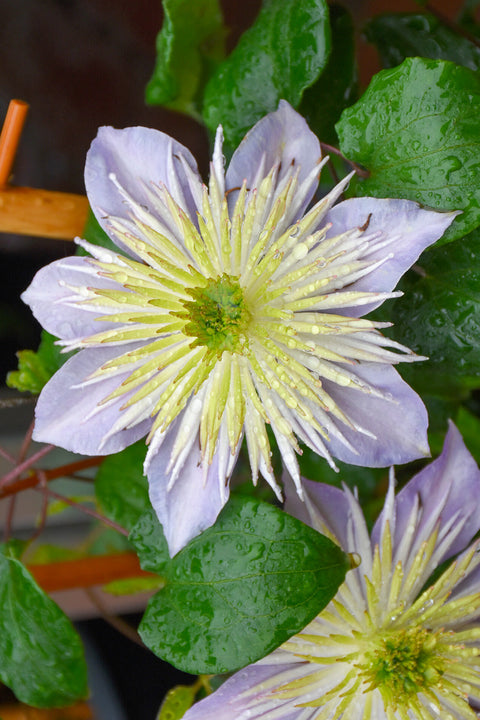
x=217, y=316
x=403, y=663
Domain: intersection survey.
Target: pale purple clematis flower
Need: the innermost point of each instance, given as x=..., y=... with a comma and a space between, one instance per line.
x=394, y=643
x=229, y=307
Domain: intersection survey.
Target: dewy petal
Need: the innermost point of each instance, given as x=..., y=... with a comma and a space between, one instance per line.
x=410, y=228
x=236, y=698
x=137, y=157
x=326, y=508
x=192, y=504
x=65, y=412
x=398, y=421
x=54, y=302
x=281, y=137
x=448, y=487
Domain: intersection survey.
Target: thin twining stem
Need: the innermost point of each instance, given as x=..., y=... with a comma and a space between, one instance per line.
x=117, y=623
x=26, y=465
x=358, y=169
x=84, y=509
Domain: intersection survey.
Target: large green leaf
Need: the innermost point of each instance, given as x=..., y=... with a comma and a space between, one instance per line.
x=41, y=656
x=121, y=488
x=336, y=88
x=241, y=588
x=439, y=315
x=283, y=53
x=401, y=35
x=416, y=130
x=189, y=46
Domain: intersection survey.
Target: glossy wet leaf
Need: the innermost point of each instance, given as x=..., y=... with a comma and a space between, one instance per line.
x=35, y=368
x=41, y=655
x=121, y=488
x=439, y=315
x=241, y=588
x=336, y=88
x=283, y=53
x=176, y=702
x=416, y=130
x=401, y=35
x=190, y=45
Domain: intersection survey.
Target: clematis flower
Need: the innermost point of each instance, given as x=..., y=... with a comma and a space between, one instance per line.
x=392, y=645
x=227, y=308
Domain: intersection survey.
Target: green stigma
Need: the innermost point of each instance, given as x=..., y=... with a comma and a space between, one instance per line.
x=402, y=664
x=217, y=316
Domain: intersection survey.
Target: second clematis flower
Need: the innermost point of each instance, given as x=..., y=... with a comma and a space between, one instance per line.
x=401, y=638
x=227, y=308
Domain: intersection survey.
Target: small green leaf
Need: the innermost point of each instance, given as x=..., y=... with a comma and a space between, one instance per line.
x=401, y=35
x=283, y=53
x=176, y=703
x=132, y=586
x=190, y=45
x=336, y=88
x=55, y=507
x=241, y=588
x=416, y=130
x=439, y=315
x=36, y=368
x=120, y=486
x=41, y=656
x=149, y=541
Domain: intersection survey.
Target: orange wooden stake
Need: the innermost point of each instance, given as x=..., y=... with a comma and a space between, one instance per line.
x=96, y=570
x=27, y=211
x=43, y=213
x=10, y=137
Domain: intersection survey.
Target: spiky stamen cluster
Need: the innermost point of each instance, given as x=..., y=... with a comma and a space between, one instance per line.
x=394, y=656
x=235, y=320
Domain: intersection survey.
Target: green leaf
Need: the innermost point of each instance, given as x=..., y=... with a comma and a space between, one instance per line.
x=416, y=130
x=401, y=35
x=337, y=86
x=241, y=588
x=439, y=315
x=36, y=368
x=190, y=45
x=41, y=656
x=149, y=541
x=281, y=55
x=120, y=486
x=55, y=507
x=176, y=703
x=132, y=586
